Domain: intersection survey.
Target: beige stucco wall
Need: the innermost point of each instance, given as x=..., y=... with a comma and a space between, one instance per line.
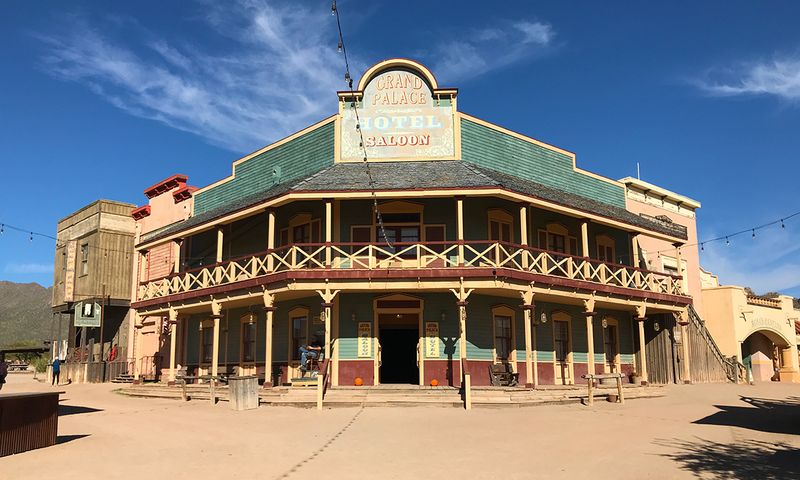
x=731, y=318
x=690, y=254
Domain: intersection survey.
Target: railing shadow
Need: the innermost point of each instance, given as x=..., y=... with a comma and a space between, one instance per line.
x=763, y=414
x=744, y=459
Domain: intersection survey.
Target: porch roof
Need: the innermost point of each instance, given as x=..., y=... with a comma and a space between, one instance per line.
x=404, y=176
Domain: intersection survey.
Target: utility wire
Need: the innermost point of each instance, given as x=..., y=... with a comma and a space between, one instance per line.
x=353, y=104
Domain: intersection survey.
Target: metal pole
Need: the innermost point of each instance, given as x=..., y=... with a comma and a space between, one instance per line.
x=102, y=324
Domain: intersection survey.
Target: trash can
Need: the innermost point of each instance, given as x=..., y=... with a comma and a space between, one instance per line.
x=243, y=392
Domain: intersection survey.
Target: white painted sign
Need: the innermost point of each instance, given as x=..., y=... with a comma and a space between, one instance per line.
x=399, y=119
x=87, y=314
x=364, y=339
x=69, y=274
x=432, y=339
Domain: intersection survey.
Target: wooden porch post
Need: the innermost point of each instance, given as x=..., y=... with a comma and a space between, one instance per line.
x=590, y=313
x=641, y=310
x=137, y=326
x=683, y=322
x=523, y=233
x=176, y=246
x=327, y=302
x=220, y=238
x=270, y=238
x=216, y=314
x=635, y=250
x=585, y=238
x=531, y=360
x=269, y=308
x=462, y=294
x=460, y=228
x=328, y=231
x=173, y=327
x=679, y=265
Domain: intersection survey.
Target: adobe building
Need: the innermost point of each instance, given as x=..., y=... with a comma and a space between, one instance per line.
x=415, y=243
x=761, y=331
x=92, y=285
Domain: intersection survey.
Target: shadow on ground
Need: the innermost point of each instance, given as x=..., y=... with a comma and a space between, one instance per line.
x=746, y=459
x=68, y=438
x=762, y=414
x=75, y=409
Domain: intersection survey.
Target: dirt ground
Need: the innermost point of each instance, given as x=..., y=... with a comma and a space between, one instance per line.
x=711, y=431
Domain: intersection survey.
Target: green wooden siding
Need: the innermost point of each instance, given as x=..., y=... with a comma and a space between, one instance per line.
x=492, y=149
x=294, y=159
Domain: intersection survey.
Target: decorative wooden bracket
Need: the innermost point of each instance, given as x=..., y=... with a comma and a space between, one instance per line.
x=462, y=293
x=327, y=295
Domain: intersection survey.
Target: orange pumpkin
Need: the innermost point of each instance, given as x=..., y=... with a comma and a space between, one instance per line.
x=434, y=382
x=359, y=381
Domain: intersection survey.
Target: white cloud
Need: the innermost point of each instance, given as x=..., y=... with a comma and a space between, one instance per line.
x=778, y=77
x=768, y=263
x=27, y=268
x=278, y=72
x=491, y=48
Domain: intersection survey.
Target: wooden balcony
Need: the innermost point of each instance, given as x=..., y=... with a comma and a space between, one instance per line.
x=362, y=260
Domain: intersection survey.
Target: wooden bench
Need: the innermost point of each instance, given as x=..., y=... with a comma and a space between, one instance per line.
x=212, y=383
x=502, y=375
x=600, y=376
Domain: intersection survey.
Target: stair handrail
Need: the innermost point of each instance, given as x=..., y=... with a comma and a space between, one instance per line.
x=734, y=370
x=324, y=376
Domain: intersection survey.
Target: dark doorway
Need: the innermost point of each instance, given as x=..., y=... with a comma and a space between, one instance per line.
x=399, y=355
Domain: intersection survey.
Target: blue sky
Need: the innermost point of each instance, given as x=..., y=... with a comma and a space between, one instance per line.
x=102, y=99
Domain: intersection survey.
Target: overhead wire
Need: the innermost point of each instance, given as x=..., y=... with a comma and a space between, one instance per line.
x=348, y=78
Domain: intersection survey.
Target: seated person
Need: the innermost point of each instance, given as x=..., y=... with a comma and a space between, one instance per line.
x=307, y=352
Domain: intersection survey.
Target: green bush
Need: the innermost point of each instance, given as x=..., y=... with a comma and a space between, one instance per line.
x=40, y=363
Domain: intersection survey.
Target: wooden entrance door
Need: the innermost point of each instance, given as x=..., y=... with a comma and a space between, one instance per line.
x=563, y=352
x=611, y=348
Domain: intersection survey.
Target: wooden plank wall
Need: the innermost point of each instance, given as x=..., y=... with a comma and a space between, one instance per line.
x=704, y=365
x=661, y=351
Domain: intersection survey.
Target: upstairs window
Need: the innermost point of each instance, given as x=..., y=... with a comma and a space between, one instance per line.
x=85, y=259
x=501, y=226
x=606, y=249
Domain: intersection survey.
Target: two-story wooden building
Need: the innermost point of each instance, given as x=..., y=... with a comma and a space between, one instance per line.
x=413, y=241
x=92, y=275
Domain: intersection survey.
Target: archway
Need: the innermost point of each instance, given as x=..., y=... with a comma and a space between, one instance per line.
x=766, y=352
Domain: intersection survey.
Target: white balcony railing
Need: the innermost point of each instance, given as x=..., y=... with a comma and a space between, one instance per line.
x=429, y=255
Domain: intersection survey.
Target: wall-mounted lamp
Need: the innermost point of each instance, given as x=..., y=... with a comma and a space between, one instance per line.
x=604, y=323
x=543, y=317
x=444, y=316
x=656, y=326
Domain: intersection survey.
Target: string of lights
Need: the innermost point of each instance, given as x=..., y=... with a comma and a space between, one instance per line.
x=31, y=234
x=727, y=237
x=342, y=48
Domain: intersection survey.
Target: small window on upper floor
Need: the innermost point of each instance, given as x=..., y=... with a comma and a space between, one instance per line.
x=85, y=259
x=606, y=249
x=501, y=226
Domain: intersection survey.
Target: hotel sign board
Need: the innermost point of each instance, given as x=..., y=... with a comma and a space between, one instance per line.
x=399, y=118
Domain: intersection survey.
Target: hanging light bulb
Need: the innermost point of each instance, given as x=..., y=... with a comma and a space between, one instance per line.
x=702, y=247
x=339, y=47
x=782, y=226
x=727, y=242
x=333, y=8
x=754, y=233
x=347, y=77
x=2, y=228
x=31, y=237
